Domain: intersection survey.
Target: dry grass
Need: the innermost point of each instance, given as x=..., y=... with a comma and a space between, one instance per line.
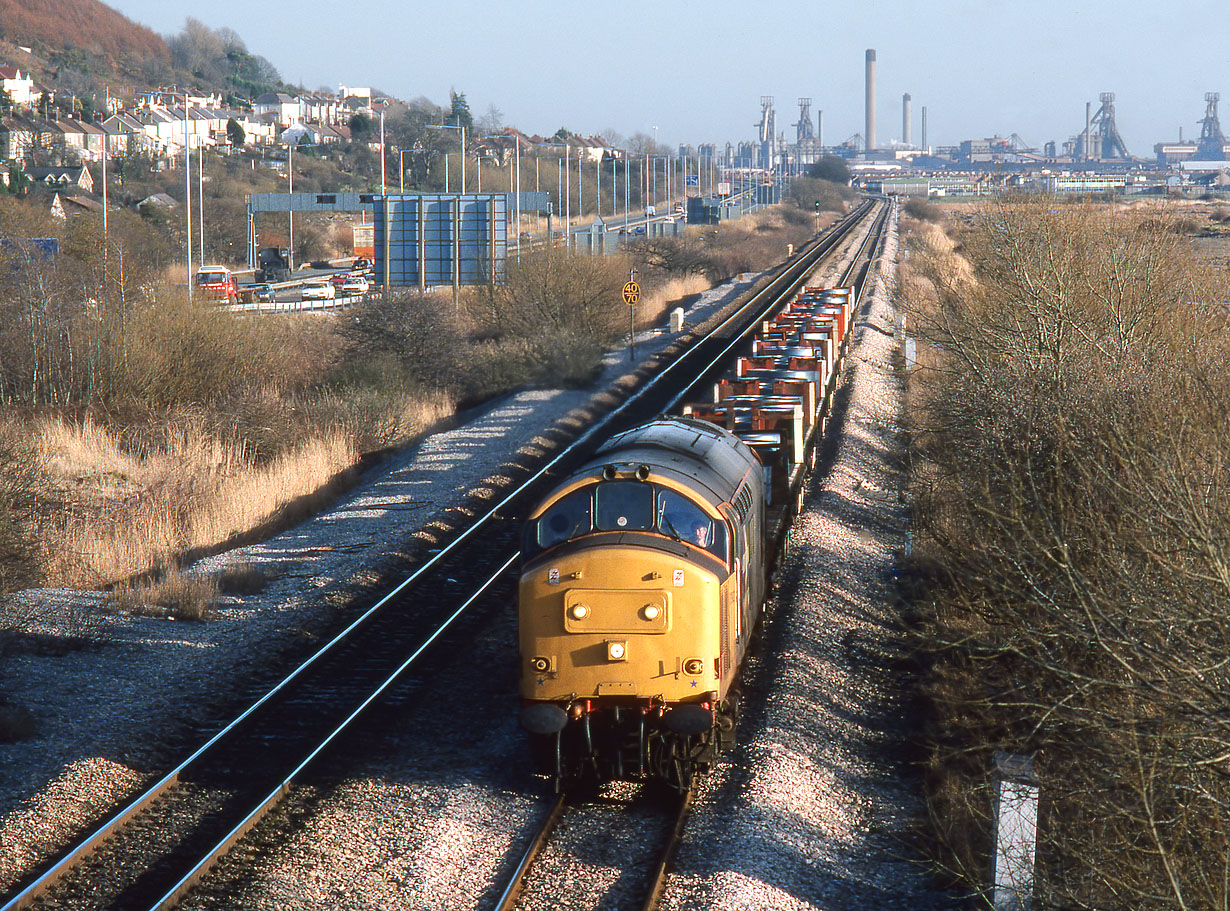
x=126, y=512
x=243, y=579
x=654, y=305
x=175, y=594
x=376, y=419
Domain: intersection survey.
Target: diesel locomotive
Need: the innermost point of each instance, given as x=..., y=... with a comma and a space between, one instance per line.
x=642, y=581
x=644, y=572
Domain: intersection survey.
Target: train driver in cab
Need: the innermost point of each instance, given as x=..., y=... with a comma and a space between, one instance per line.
x=683, y=519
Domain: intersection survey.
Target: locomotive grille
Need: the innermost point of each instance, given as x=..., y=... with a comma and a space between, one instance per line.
x=725, y=630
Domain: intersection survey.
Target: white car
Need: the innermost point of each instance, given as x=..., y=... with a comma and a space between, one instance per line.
x=318, y=291
x=351, y=284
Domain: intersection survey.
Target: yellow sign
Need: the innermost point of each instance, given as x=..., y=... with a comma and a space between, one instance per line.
x=632, y=293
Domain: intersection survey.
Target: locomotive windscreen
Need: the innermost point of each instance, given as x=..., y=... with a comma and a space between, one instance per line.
x=626, y=506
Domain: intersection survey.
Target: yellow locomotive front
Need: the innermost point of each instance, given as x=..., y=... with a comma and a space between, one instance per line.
x=634, y=606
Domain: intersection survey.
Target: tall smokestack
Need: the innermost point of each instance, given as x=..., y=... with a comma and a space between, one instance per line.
x=924, y=146
x=820, y=130
x=869, y=132
x=905, y=118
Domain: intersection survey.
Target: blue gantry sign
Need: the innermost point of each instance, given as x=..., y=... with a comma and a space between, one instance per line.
x=434, y=239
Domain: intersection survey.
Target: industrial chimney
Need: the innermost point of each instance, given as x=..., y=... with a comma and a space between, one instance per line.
x=926, y=148
x=905, y=118
x=869, y=133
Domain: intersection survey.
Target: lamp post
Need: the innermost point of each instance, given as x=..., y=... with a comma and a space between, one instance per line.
x=290, y=203
x=454, y=126
x=290, y=189
x=517, y=192
x=188, y=192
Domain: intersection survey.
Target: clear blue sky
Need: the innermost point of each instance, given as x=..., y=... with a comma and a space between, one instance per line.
x=697, y=71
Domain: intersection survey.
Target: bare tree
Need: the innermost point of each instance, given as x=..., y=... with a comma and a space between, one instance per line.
x=491, y=121
x=1072, y=490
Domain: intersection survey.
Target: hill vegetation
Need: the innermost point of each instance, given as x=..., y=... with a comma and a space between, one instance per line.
x=83, y=47
x=84, y=32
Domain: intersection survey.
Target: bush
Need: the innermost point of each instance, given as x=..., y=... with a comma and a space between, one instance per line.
x=832, y=197
x=919, y=208
x=832, y=169
x=1073, y=528
x=559, y=289
x=410, y=339
x=19, y=564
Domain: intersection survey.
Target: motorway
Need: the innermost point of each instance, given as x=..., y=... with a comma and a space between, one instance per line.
x=288, y=295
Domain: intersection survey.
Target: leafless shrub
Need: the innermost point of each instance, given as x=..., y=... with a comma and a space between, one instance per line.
x=19, y=564
x=1072, y=491
x=922, y=209
x=549, y=322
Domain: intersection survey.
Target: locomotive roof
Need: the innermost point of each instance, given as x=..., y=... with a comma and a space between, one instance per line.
x=695, y=450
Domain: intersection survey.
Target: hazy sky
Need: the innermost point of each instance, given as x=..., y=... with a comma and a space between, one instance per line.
x=697, y=70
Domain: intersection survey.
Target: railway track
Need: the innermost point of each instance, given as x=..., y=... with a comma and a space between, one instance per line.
x=627, y=837
x=153, y=852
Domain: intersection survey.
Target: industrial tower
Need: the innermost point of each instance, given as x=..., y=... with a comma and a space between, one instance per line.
x=1211, y=146
x=803, y=129
x=767, y=135
x=1100, y=140
x=869, y=102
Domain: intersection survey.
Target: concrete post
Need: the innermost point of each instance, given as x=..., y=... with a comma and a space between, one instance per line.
x=1016, y=829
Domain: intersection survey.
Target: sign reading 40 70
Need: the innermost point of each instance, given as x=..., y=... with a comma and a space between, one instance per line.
x=632, y=293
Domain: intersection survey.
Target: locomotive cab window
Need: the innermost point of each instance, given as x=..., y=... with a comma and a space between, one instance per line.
x=623, y=506
x=566, y=519
x=628, y=506
x=682, y=519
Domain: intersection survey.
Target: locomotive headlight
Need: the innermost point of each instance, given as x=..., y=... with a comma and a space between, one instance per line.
x=616, y=650
x=693, y=666
x=579, y=611
x=651, y=612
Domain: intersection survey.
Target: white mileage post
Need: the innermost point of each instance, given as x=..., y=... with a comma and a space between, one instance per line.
x=632, y=295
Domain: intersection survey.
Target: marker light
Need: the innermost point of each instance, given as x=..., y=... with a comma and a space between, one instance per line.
x=540, y=664
x=579, y=611
x=651, y=612
x=693, y=666
x=616, y=651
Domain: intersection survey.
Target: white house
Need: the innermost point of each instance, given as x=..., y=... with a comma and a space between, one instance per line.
x=20, y=86
x=287, y=109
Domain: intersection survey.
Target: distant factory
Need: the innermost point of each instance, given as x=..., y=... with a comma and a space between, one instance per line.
x=1095, y=147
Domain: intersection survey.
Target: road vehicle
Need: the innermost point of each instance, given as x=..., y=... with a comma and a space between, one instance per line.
x=350, y=284
x=316, y=291
x=217, y=283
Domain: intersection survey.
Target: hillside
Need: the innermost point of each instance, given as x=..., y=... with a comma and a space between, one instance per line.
x=93, y=29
